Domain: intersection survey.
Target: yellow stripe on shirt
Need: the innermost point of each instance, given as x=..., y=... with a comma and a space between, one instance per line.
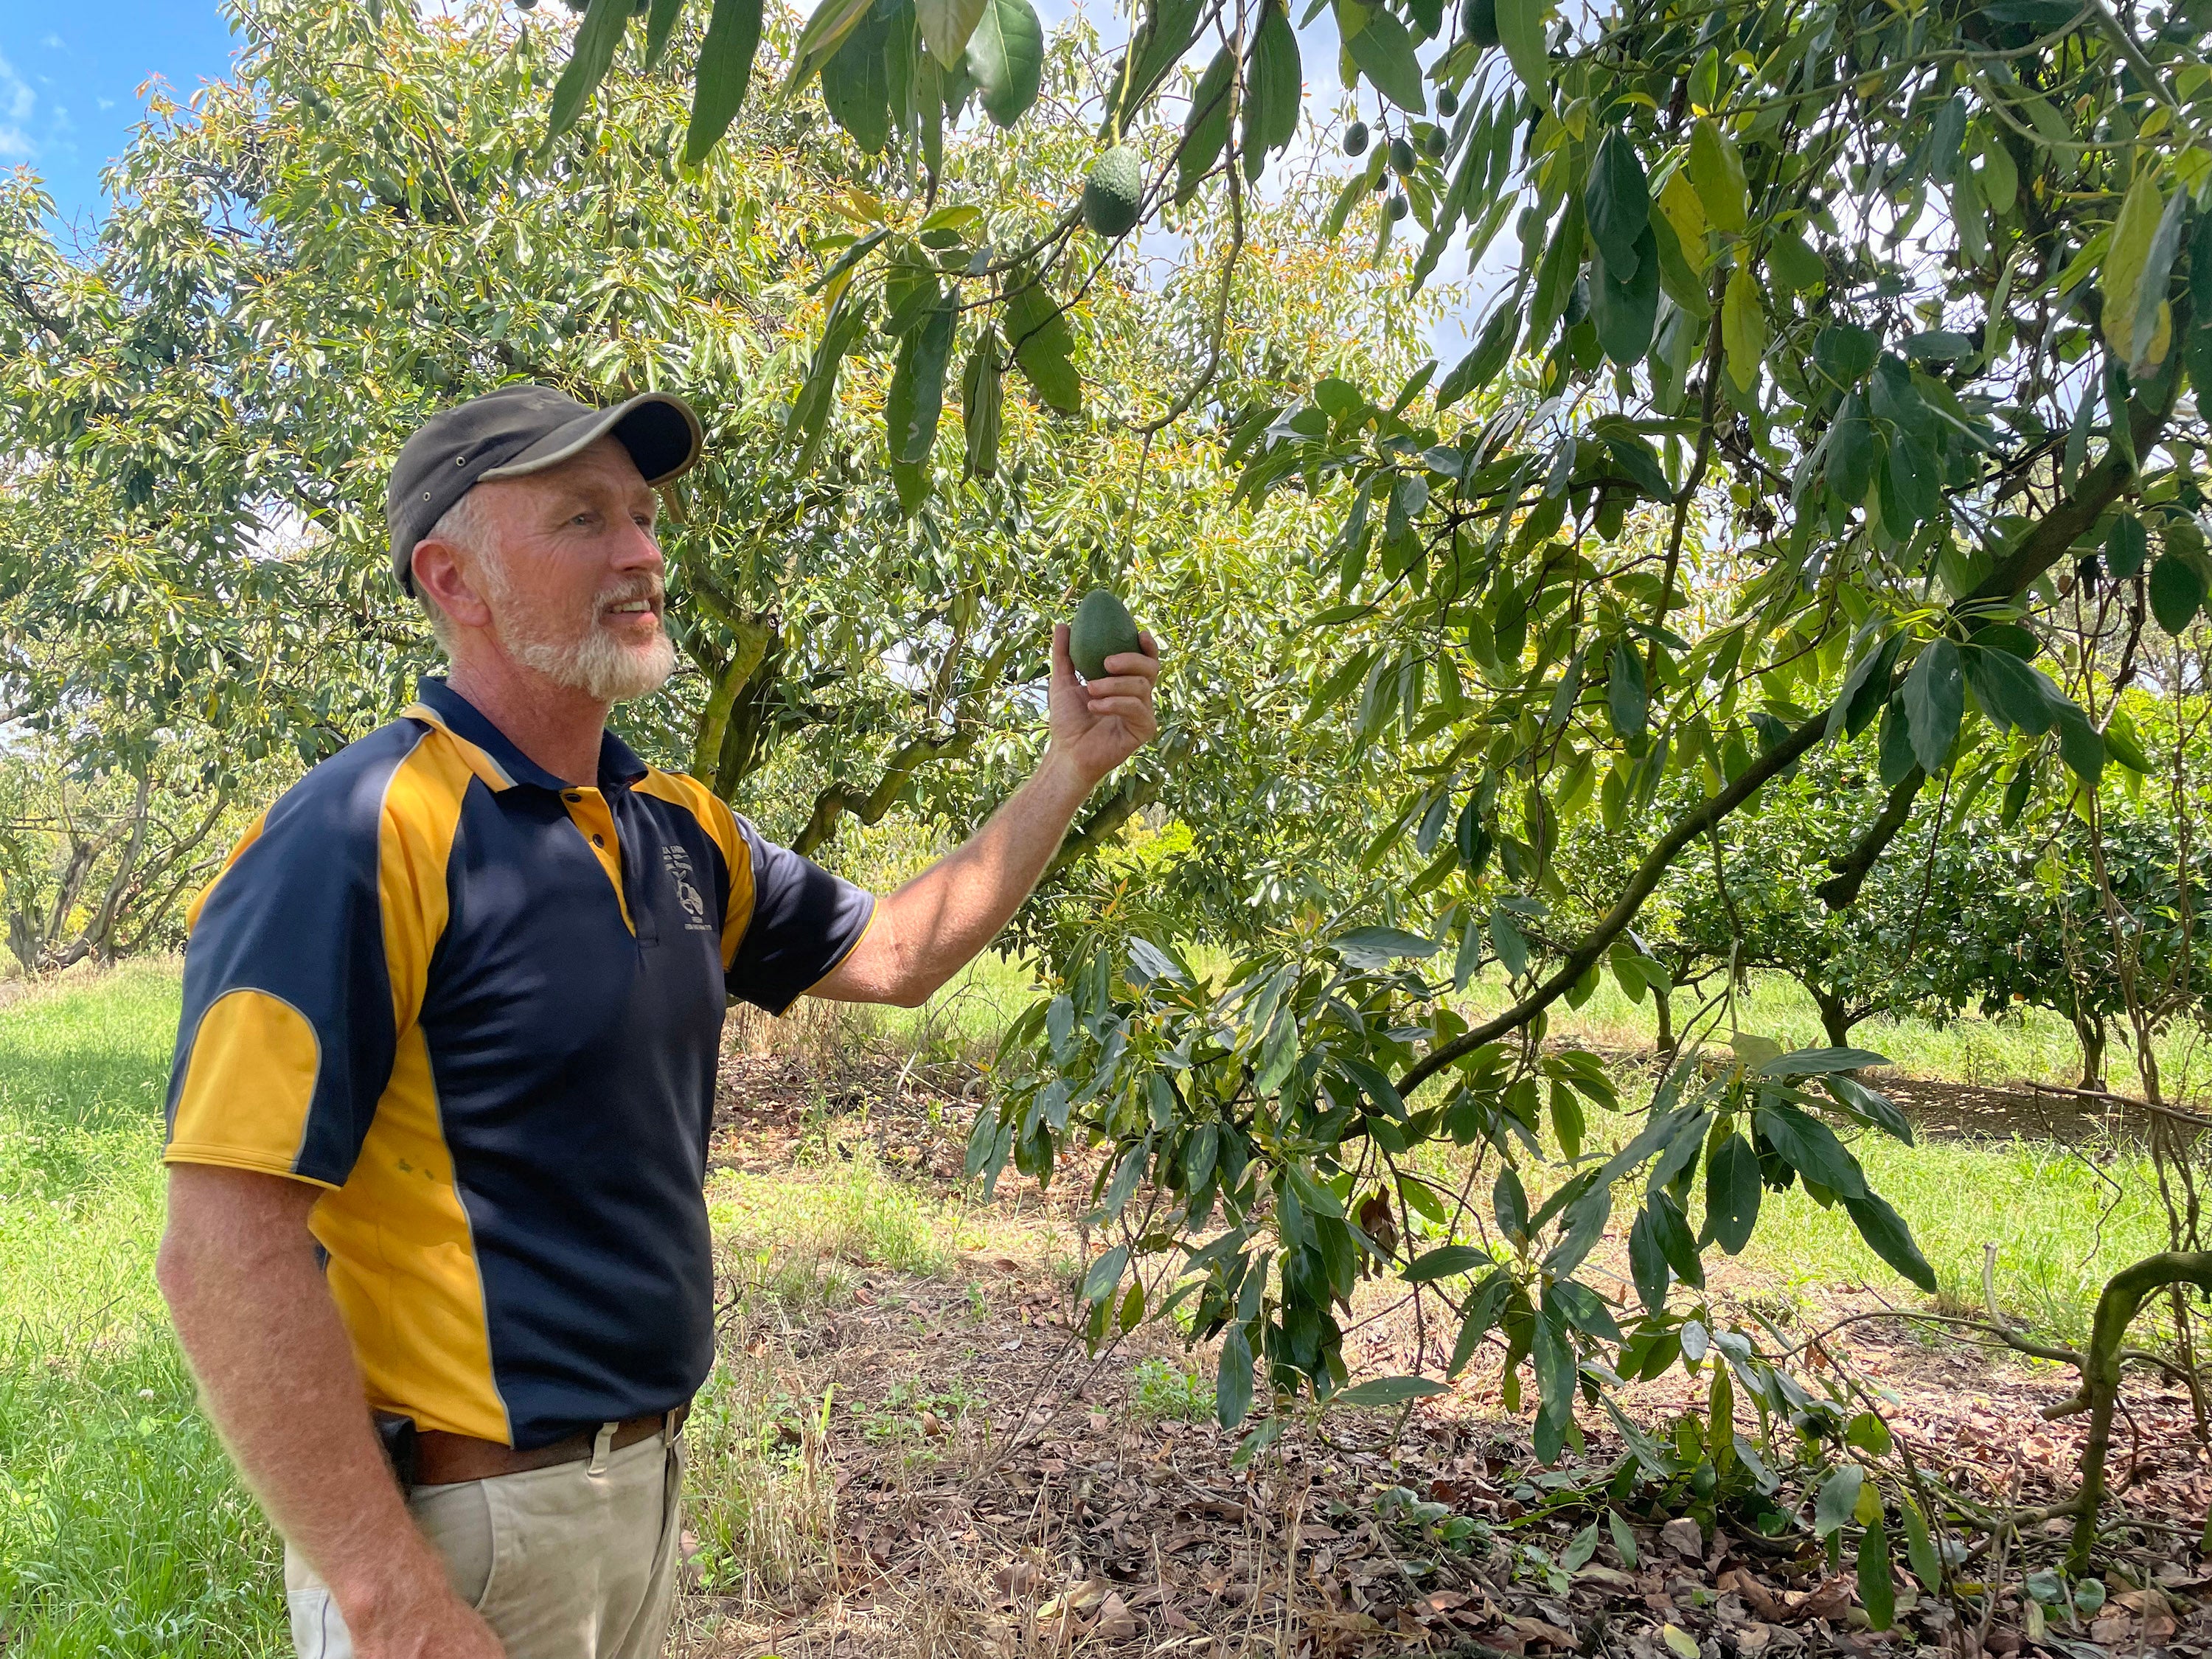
x=248, y=1084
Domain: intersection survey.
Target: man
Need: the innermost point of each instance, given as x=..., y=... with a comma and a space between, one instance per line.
x=438, y=1122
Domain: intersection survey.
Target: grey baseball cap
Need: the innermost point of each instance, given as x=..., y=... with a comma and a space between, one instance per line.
x=517, y=430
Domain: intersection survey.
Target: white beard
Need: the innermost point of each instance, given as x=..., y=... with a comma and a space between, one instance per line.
x=588, y=660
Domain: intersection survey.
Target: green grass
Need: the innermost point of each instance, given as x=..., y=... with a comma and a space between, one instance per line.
x=2062, y=1228
x=123, y=1530
x=2033, y=1045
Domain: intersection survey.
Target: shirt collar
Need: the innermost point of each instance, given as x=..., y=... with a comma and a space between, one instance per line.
x=495, y=759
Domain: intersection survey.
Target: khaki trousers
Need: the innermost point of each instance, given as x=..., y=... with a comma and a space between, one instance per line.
x=563, y=1563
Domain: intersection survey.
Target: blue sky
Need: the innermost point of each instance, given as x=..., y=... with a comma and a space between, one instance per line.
x=69, y=79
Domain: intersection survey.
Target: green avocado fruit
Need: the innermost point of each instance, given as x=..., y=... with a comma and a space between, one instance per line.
x=1480, y=17
x=1114, y=193
x=1447, y=102
x=1403, y=161
x=1355, y=138
x=1102, y=628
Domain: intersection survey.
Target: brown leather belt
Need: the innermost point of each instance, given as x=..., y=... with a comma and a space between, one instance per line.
x=445, y=1460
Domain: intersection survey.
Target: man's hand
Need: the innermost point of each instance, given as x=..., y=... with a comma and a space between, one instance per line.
x=1098, y=723
x=434, y=1625
x=276, y=1373
x=924, y=933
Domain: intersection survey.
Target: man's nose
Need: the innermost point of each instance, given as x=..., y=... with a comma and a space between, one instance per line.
x=637, y=549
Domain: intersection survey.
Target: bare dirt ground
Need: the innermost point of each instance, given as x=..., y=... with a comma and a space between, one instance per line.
x=991, y=1489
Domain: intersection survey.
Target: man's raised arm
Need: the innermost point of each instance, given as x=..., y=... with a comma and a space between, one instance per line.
x=935, y=925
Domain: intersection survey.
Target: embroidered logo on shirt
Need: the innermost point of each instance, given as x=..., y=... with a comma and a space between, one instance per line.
x=678, y=863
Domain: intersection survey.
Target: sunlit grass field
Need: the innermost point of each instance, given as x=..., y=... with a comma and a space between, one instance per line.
x=122, y=1528
x=122, y=1531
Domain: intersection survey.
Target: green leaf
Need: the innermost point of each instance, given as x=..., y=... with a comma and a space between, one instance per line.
x=1838, y=1499
x=818, y=396
x=1383, y=52
x=589, y=60
x=1877, y=1579
x=1273, y=84
x=1617, y=204
x=915, y=401
x=1005, y=59
x=1920, y=1548
x=1509, y=1202
x=1647, y=1263
x=1849, y=466
x=1513, y=949
x=1370, y=948
x=1624, y=313
x=724, y=72
x=1105, y=1273
x=1232, y=1383
x=1166, y=34
x=1716, y=174
x=659, y=24
x=856, y=86
x=2177, y=590
x=1389, y=1391
x=2123, y=744
x=1482, y=1309
x=825, y=30
x=1733, y=1190
x=982, y=397
x=1935, y=703
x=2126, y=257
x=1579, y=1549
x=946, y=26
x=2080, y=745
x=2126, y=544
x=1810, y=1147
x=1624, y=1537
x=1043, y=346
x=1819, y=1062
x=1888, y=1238
x=1444, y=1262
x=1795, y=266
x=1627, y=700
x=1743, y=327
x=2012, y=694
x=1205, y=128
x=1554, y=1358
x=1480, y=366
x=1670, y=1229
x=1521, y=32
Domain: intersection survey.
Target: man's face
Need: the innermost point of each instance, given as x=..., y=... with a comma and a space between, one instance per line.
x=575, y=585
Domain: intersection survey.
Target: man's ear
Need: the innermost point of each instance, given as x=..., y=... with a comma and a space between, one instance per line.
x=441, y=576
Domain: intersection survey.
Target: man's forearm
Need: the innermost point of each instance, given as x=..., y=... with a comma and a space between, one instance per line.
x=278, y=1376
x=935, y=925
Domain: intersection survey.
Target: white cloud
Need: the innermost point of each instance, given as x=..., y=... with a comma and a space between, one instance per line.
x=17, y=101
x=51, y=41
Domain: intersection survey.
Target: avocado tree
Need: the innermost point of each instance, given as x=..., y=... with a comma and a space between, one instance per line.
x=1841, y=339
x=205, y=409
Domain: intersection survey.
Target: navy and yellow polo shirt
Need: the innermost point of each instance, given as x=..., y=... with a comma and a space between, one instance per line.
x=483, y=1008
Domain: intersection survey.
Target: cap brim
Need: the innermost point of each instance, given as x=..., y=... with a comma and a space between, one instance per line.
x=659, y=429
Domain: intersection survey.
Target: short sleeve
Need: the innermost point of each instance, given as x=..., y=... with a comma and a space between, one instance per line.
x=801, y=922
x=288, y=1028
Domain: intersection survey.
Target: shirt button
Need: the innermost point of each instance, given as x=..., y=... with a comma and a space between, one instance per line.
x=598, y=841
x=572, y=796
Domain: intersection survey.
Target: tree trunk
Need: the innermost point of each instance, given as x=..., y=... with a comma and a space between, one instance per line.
x=1836, y=1017
x=2089, y=1028
x=2123, y=1295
